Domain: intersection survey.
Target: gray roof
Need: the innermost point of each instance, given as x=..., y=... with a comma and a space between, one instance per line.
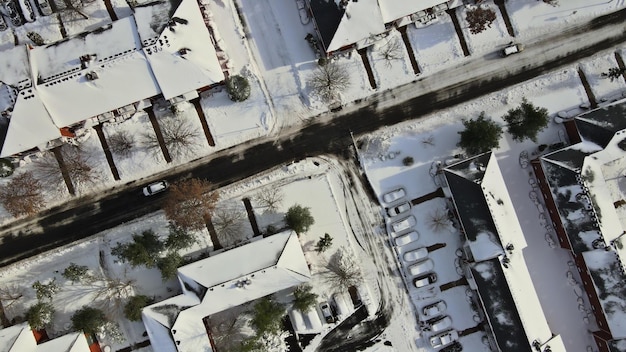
x=600, y=125
x=327, y=15
x=499, y=306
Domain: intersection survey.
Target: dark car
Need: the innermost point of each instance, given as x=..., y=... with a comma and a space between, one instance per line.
x=13, y=12
x=355, y=296
x=425, y=280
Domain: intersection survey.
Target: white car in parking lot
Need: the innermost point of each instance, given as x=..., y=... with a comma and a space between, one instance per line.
x=416, y=254
x=422, y=267
x=404, y=224
x=444, y=338
x=399, y=209
x=434, y=309
x=440, y=324
x=394, y=195
x=407, y=238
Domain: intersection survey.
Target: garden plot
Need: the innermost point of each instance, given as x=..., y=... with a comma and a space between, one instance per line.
x=132, y=159
x=492, y=38
x=390, y=62
x=232, y=123
x=436, y=46
x=603, y=88
x=531, y=18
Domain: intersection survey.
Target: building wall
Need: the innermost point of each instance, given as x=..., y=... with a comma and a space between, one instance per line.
x=596, y=306
x=555, y=218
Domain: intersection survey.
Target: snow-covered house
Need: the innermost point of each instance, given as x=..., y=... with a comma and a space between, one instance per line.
x=220, y=282
x=347, y=24
x=584, y=187
x=20, y=338
x=493, y=250
x=50, y=91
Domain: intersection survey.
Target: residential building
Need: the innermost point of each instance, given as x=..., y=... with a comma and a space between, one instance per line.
x=493, y=254
x=220, y=282
x=21, y=338
x=584, y=187
x=49, y=93
x=347, y=24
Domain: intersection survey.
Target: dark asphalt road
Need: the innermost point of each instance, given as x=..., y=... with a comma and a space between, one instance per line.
x=84, y=217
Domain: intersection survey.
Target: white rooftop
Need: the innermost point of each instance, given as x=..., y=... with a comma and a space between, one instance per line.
x=20, y=338
x=271, y=264
x=361, y=20
x=394, y=9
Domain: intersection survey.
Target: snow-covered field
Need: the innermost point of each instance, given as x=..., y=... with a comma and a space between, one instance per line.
x=273, y=50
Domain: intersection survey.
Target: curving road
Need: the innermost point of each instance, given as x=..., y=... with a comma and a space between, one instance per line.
x=477, y=76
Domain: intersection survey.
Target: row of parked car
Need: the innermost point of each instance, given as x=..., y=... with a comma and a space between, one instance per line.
x=397, y=207
x=332, y=311
x=20, y=11
x=420, y=267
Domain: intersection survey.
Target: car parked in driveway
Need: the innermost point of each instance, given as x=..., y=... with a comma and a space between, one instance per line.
x=394, y=195
x=403, y=224
x=434, y=309
x=154, y=188
x=13, y=12
x=440, y=324
x=44, y=7
x=425, y=280
x=326, y=312
x=27, y=10
x=422, y=267
x=415, y=255
x=444, y=339
x=511, y=49
x=399, y=209
x=406, y=238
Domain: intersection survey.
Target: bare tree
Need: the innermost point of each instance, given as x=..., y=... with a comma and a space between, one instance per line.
x=121, y=143
x=342, y=270
x=73, y=9
x=78, y=164
x=111, y=294
x=10, y=294
x=391, y=51
x=329, y=80
x=228, y=223
x=271, y=198
x=428, y=141
x=188, y=202
x=439, y=221
x=179, y=136
x=22, y=195
x=480, y=18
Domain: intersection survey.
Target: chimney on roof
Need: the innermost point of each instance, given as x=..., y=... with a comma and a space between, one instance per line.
x=86, y=60
x=91, y=76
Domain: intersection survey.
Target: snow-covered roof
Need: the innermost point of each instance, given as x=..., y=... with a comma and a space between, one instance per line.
x=223, y=281
x=182, y=57
x=599, y=125
x=609, y=279
x=340, y=26
x=20, y=338
x=102, y=70
x=393, y=9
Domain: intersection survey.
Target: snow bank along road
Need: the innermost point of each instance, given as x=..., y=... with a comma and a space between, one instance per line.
x=87, y=216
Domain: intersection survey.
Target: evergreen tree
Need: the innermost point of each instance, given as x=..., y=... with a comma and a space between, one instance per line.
x=75, y=272
x=132, y=308
x=304, y=299
x=267, y=316
x=526, y=121
x=299, y=218
x=89, y=320
x=169, y=265
x=40, y=315
x=144, y=250
x=324, y=243
x=480, y=135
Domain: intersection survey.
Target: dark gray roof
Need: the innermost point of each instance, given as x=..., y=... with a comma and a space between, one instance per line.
x=500, y=307
x=561, y=169
x=4, y=127
x=464, y=180
x=600, y=125
x=327, y=15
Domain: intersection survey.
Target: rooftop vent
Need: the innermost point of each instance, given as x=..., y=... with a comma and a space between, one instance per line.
x=91, y=76
x=86, y=59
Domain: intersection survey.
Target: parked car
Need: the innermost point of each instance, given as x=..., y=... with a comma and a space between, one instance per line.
x=44, y=7
x=444, y=338
x=355, y=296
x=394, y=195
x=407, y=238
x=425, y=280
x=3, y=24
x=399, y=209
x=404, y=224
x=440, y=324
x=27, y=10
x=422, y=267
x=326, y=312
x=434, y=309
x=512, y=49
x=416, y=254
x=154, y=188
x=13, y=12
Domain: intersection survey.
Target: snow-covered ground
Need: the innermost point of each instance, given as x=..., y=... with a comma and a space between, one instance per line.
x=272, y=48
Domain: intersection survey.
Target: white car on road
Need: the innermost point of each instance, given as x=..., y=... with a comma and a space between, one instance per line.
x=154, y=188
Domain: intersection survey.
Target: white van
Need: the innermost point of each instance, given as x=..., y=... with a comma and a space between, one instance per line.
x=422, y=267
